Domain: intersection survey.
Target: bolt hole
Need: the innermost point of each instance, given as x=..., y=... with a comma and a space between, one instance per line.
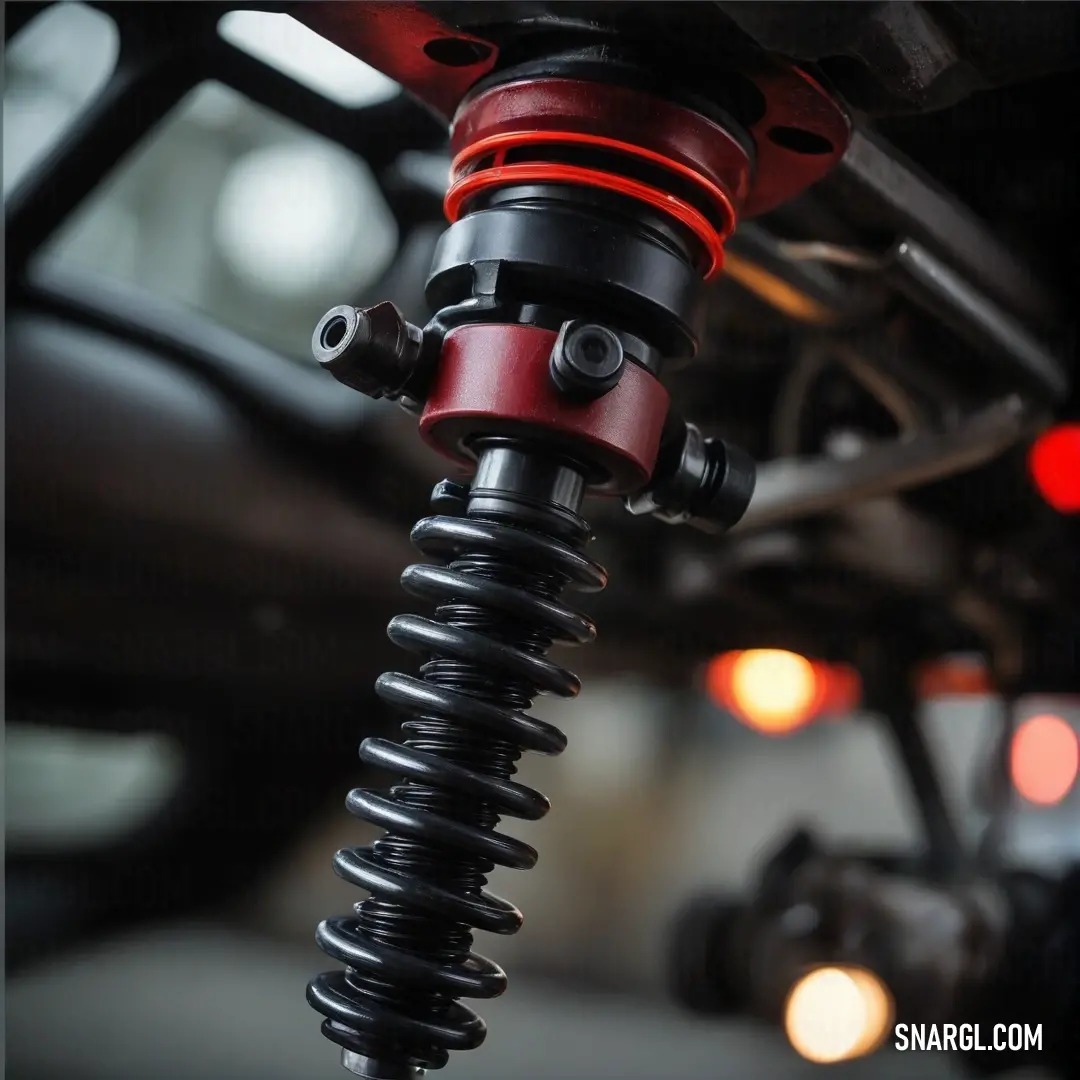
x=456, y=52
x=594, y=349
x=334, y=332
x=800, y=141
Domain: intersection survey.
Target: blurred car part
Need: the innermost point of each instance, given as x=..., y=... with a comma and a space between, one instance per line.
x=983, y=950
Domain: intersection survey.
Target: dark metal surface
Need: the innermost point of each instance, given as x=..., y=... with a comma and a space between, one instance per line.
x=788, y=489
x=930, y=282
x=875, y=185
x=889, y=57
x=925, y=279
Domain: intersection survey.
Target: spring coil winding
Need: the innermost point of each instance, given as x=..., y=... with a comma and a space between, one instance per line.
x=407, y=948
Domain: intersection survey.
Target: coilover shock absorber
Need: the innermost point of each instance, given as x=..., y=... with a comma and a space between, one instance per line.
x=586, y=218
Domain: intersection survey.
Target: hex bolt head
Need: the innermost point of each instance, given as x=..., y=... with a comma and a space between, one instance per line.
x=587, y=360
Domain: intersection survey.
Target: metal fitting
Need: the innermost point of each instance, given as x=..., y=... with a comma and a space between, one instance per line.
x=702, y=482
x=372, y=1069
x=373, y=350
x=587, y=360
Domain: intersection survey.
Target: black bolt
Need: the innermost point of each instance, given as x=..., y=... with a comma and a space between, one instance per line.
x=450, y=497
x=373, y=350
x=587, y=360
x=705, y=482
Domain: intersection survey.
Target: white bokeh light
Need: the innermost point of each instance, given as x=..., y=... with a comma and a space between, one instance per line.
x=288, y=45
x=836, y=1014
x=296, y=217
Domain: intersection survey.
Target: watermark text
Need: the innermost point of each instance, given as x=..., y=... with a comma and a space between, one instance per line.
x=1002, y=1037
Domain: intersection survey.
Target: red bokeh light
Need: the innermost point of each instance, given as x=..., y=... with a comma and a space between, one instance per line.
x=1054, y=463
x=1044, y=759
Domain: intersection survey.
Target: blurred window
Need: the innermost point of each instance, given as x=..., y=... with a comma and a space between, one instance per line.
x=288, y=45
x=239, y=214
x=67, y=788
x=53, y=68
x=228, y=208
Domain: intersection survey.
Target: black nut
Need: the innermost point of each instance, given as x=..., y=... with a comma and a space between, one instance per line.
x=587, y=360
x=373, y=350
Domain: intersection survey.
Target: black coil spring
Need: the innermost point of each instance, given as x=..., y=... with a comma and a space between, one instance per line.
x=408, y=946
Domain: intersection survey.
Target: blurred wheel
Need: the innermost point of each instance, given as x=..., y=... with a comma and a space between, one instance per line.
x=704, y=974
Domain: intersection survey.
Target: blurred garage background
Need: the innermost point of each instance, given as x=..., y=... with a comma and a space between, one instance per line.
x=259, y=225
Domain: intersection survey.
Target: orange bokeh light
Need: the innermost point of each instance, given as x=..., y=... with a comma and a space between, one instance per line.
x=1044, y=759
x=775, y=691
x=954, y=676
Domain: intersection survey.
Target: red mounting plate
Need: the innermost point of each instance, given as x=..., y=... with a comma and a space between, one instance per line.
x=392, y=37
x=800, y=137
